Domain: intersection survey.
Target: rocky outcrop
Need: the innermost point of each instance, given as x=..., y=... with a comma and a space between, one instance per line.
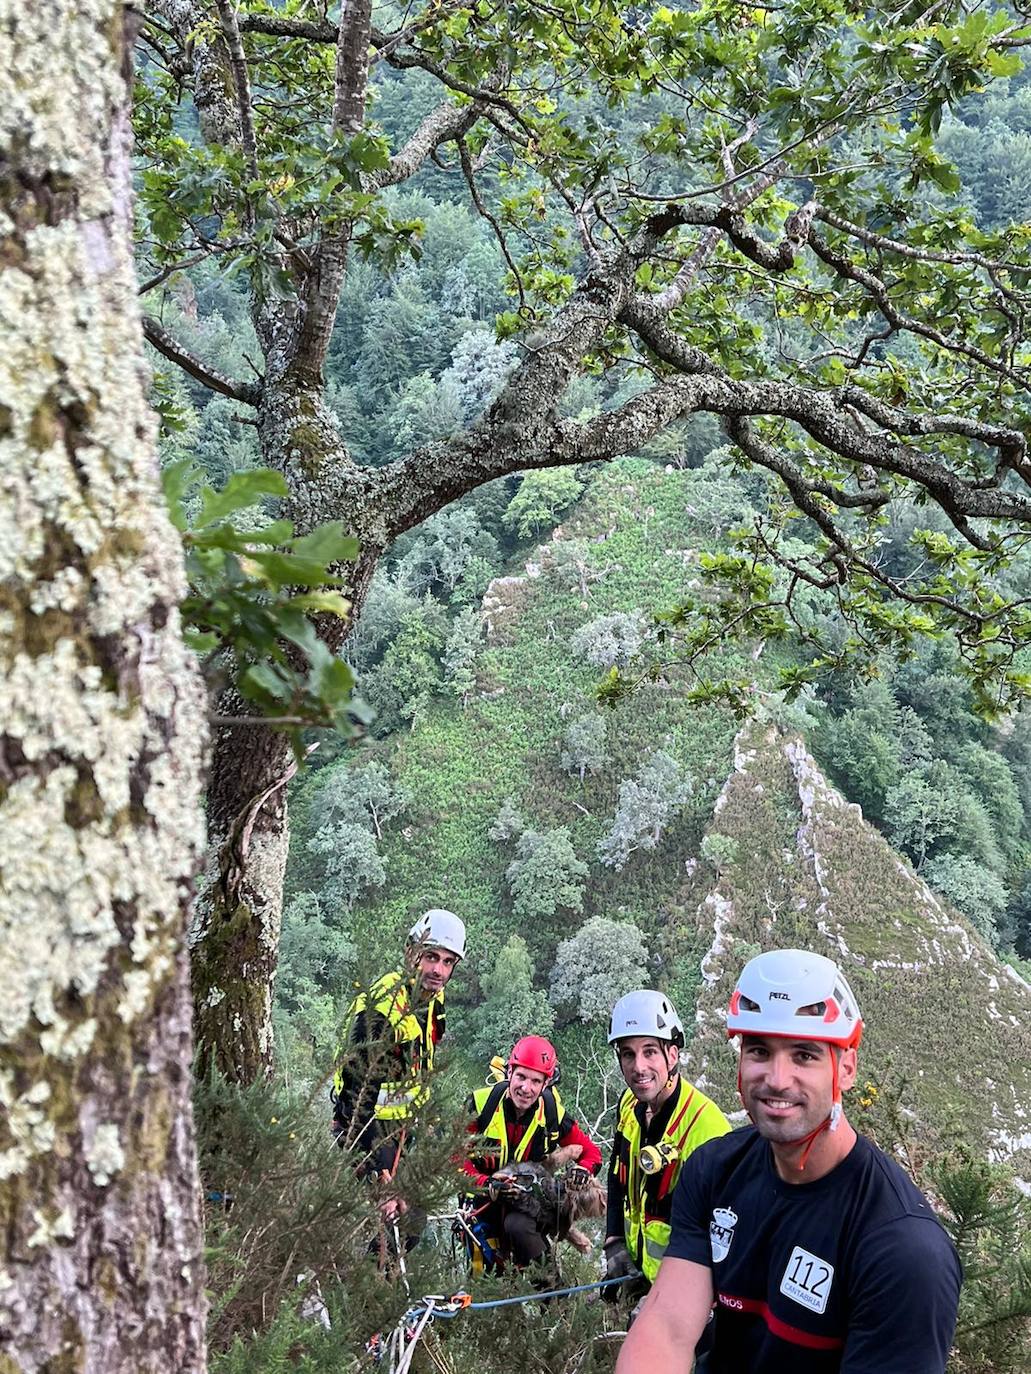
x=942, y=1011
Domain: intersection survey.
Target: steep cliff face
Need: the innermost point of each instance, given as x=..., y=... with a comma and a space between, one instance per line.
x=795, y=864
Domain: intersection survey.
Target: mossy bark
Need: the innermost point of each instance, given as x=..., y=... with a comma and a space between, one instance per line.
x=236, y=940
x=235, y=948
x=102, y=737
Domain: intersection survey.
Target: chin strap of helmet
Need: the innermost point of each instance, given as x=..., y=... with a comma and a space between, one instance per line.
x=805, y=1143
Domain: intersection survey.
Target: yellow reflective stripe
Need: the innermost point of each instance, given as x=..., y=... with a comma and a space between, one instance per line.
x=627, y=1119
x=701, y=1121
x=633, y=1196
x=398, y=1111
x=397, y=1094
x=494, y=1130
x=390, y=999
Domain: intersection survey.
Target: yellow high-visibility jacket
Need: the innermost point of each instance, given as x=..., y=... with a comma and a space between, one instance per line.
x=539, y=1138
x=690, y=1119
x=405, y=1084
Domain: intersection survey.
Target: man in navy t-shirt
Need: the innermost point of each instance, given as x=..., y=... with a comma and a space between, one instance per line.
x=820, y=1255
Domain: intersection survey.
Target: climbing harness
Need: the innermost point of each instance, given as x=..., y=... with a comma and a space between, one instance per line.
x=400, y=1346
x=468, y=1226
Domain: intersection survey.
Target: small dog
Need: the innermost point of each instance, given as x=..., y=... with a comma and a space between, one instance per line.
x=549, y=1199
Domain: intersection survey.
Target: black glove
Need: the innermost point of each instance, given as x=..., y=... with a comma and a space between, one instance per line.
x=577, y=1177
x=618, y=1265
x=502, y=1186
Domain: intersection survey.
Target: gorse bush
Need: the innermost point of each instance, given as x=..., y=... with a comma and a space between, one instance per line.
x=302, y=1276
x=989, y=1219
x=289, y=1216
x=294, y=1242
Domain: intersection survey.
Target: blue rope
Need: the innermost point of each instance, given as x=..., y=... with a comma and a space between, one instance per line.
x=443, y=1311
x=555, y=1293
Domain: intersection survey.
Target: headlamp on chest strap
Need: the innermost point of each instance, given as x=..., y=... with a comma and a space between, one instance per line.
x=654, y=1158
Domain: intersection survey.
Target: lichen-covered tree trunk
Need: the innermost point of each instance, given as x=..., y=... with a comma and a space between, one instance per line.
x=102, y=735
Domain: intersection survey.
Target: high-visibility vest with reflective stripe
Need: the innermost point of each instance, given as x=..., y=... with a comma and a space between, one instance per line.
x=391, y=998
x=540, y=1137
x=648, y=1199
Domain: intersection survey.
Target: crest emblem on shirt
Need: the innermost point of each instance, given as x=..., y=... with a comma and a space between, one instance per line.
x=721, y=1232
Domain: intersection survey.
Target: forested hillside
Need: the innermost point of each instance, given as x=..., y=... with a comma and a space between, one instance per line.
x=594, y=848
x=606, y=708
x=595, y=499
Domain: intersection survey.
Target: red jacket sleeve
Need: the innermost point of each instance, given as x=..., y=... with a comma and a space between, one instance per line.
x=469, y=1168
x=590, y=1158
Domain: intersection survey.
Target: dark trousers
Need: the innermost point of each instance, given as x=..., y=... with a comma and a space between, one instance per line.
x=517, y=1233
x=523, y=1239
x=410, y=1224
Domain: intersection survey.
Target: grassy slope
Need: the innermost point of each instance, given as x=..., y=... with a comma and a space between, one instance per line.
x=459, y=764
x=807, y=869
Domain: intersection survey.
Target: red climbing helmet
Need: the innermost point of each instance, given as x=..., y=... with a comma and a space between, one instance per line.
x=535, y=1053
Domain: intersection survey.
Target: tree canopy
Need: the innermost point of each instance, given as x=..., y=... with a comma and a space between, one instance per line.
x=700, y=212
x=749, y=208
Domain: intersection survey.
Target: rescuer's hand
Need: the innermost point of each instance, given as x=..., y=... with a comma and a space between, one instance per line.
x=618, y=1265
x=392, y=1208
x=577, y=1177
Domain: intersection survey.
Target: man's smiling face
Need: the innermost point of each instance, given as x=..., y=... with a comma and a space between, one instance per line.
x=646, y=1064
x=525, y=1086
x=788, y=1085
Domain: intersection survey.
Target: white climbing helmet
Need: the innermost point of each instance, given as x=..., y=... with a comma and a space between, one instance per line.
x=441, y=930
x=795, y=993
x=646, y=1012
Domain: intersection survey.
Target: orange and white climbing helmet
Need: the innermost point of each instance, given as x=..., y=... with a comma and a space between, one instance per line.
x=796, y=994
